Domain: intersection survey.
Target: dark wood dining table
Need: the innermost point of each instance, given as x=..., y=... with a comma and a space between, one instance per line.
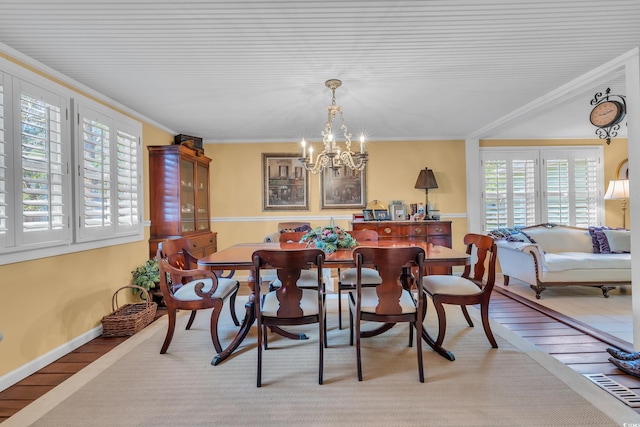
x=238, y=257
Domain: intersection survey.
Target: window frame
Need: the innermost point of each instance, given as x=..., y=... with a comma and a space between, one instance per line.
x=542, y=155
x=12, y=247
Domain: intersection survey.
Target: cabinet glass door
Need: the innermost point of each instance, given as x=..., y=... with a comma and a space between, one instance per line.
x=202, y=217
x=187, y=197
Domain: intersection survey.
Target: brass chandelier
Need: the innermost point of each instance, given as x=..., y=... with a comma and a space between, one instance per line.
x=332, y=156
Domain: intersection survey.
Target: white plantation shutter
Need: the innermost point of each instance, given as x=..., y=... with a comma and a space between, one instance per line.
x=509, y=189
x=6, y=234
x=109, y=171
x=573, y=193
x=128, y=173
x=4, y=172
x=96, y=173
x=526, y=187
x=44, y=208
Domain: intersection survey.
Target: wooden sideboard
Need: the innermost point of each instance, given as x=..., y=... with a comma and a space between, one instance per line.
x=436, y=232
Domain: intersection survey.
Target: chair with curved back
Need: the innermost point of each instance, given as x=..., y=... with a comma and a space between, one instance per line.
x=307, y=277
x=347, y=277
x=391, y=301
x=190, y=290
x=197, y=247
x=289, y=304
x=469, y=289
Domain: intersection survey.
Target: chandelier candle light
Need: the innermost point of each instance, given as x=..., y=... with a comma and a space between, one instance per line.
x=332, y=156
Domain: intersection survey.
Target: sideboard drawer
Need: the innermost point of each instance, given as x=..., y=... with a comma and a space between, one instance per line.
x=419, y=231
x=388, y=230
x=439, y=229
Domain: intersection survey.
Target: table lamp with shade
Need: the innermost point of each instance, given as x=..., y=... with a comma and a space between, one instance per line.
x=426, y=180
x=619, y=190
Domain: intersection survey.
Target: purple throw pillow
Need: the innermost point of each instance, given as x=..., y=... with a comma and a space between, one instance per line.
x=593, y=230
x=603, y=242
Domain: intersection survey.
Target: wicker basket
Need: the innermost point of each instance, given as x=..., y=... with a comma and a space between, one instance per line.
x=130, y=318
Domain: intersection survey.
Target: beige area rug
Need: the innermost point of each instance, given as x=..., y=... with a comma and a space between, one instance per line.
x=514, y=385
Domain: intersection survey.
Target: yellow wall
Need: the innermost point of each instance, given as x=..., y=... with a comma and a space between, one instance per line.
x=236, y=175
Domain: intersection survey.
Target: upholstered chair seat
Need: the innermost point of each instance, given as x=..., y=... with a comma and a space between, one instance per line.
x=187, y=292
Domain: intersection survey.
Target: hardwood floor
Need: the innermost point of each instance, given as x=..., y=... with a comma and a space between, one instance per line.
x=573, y=343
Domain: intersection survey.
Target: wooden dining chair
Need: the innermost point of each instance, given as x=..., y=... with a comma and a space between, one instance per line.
x=196, y=247
x=469, y=289
x=347, y=277
x=391, y=301
x=191, y=289
x=307, y=277
x=289, y=304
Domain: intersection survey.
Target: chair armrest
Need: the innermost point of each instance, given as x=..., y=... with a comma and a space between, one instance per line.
x=180, y=277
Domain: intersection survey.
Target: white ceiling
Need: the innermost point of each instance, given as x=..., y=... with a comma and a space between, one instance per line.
x=250, y=71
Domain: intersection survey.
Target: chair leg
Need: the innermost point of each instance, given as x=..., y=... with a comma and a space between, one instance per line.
x=350, y=325
x=466, y=315
x=322, y=345
x=339, y=307
x=192, y=317
x=411, y=326
x=215, y=315
x=232, y=307
x=442, y=321
x=264, y=336
x=358, y=351
x=419, y=327
x=171, y=327
x=484, y=312
x=259, y=370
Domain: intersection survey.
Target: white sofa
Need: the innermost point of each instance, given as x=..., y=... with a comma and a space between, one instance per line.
x=554, y=255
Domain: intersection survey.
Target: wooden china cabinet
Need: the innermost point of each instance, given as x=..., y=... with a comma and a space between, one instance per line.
x=179, y=193
x=430, y=231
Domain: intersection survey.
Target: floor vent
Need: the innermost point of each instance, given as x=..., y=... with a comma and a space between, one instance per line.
x=618, y=390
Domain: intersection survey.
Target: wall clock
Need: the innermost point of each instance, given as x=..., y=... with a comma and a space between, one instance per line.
x=607, y=113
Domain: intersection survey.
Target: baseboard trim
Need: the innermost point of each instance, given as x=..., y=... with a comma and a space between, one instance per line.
x=35, y=365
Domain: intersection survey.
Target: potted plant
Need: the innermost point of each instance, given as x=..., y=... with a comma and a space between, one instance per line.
x=147, y=276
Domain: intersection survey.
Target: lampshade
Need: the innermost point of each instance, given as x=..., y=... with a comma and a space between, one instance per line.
x=426, y=180
x=618, y=190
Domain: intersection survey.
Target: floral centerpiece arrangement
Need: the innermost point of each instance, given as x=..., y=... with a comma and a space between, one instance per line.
x=329, y=238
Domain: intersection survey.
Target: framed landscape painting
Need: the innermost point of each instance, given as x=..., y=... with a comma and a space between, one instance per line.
x=344, y=190
x=285, y=183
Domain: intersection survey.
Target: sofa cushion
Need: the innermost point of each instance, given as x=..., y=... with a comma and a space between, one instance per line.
x=585, y=261
x=619, y=240
x=561, y=239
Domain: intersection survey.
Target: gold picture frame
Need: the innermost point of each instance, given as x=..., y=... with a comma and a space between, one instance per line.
x=285, y=183
x=622, y=172
x=345, y=189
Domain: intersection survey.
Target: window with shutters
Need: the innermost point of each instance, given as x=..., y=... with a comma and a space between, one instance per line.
x=65, y=185
x=108, y=172
x=525, y=187
x=42, y=216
